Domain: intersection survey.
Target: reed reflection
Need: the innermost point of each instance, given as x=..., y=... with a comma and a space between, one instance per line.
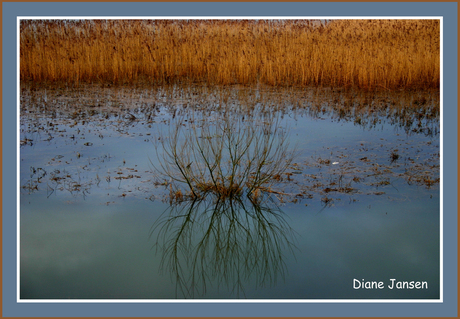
x=226, y=243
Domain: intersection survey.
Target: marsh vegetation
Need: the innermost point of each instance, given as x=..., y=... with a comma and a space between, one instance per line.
x=366, y=54
x=225, y=156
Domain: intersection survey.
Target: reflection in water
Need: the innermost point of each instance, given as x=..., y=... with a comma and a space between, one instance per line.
x=84, y=158
x=90, y=140
x=226, y=243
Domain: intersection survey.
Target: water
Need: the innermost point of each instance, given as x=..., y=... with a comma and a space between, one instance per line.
x=92, y=206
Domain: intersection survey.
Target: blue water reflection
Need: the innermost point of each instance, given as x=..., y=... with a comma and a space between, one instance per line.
x=95, y=222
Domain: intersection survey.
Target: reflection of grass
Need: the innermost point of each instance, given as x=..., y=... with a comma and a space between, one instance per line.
x=367, y=54
x=227, y=157
x=226, y=242
x=415, y=111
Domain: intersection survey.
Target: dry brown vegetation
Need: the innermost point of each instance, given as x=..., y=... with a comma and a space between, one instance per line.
x=367, y=54
x=225, y=157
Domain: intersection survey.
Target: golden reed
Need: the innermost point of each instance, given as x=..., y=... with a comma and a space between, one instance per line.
x=368, y=54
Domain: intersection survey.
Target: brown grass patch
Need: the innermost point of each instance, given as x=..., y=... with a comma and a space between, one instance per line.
x=367, y=54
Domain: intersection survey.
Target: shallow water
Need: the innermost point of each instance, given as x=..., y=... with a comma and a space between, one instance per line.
x=362, y=202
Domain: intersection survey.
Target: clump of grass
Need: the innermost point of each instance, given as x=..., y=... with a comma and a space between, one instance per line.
x=367, y=54
x=226, y=157
x=394, y=156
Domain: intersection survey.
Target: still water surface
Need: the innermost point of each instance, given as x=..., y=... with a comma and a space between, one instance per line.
x=95, y=221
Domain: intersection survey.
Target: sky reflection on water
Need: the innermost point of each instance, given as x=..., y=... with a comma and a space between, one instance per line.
x=86, y=223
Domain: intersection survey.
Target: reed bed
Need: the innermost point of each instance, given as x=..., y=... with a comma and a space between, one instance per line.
x=368, y=54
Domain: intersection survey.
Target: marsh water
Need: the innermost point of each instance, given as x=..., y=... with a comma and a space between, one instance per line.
x=361, y=199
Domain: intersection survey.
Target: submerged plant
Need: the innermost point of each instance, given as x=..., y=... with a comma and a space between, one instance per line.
x=224, y=156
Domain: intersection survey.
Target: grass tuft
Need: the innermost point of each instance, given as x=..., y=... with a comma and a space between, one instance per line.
x=226, y=157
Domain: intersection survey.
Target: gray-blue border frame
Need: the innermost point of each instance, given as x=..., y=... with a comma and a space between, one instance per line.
x=448, y=10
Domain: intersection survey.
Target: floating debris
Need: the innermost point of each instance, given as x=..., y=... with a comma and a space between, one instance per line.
x=413, y=162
